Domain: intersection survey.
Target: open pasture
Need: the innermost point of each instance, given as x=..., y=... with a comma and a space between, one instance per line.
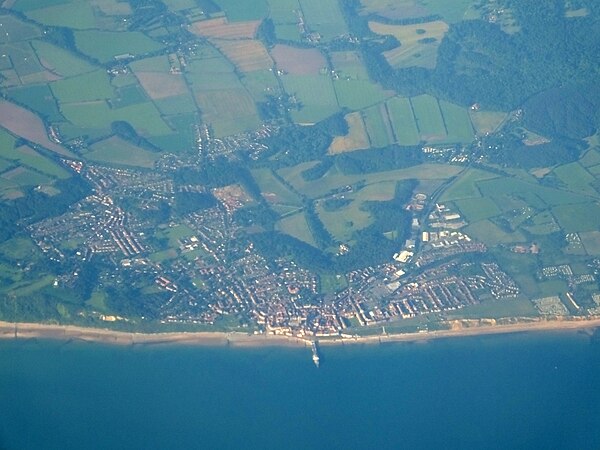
x=60, y=61
x=324, y=17
x=475, y=209
x=179, y=104
x=590, y=158
x=273, y=190
x=378, y=127
x=403, y=121
x=113, y=7
x=315, y=94
x=418, y=42
x=83, y=88
x=591, y=242
x=490, y=234
x=15, y=30
x=159, y=85
x=228, y=111
x=335, y=180
x=296, y=226
x=261, y=83
x=428, y=117
x=238, y=11
x=348, y=64
x=117, y=151
x=26, y=124
x=394, y=9
x=221, y=28
x=26, y=156
x=21, y=176
x=452, y=11
x=246, y=55
x=144, y=117
x=576, y=178
x=466, y=186
x=356, y=138
x=298, y=61
x=75, y=14
x=578, y=218
x=37, y=98
x=106, y=45
x=486, y=121
x=284, y=11
x=458, y=123
x=359, y=94
x=21, y=57
x=532, y=193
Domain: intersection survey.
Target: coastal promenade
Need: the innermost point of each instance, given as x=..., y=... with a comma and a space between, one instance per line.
x=19, y=331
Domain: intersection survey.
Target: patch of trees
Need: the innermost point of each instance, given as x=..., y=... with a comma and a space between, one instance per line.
x=571, y=111
x=188, y=202
x=295, y=144
x=379, y=159
x=320, y=234
x=509, y=151
x=273, y=245
x=318, y=170
x=266, y=33
x=333, y=204
x=256, y=215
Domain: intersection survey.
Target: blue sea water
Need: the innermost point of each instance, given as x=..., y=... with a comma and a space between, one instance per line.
x=534, y=391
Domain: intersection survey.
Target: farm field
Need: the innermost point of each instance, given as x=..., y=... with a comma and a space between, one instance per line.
x=296, y=226
x=418, y=42
x=359, y=94
x=378, y=127
x=83, y=88
x=119, y=152
x=324, y=17
x=221, y=28
x=395, y=9
x=228, y=111
x=466, y=185
x=246, y=55
x=24, y=123
x=576, y=178
x=315, y=94
x=356, y=138
x=77, y=15
x=578, y=218
x=490, y=234
x=27, y=156
x=105, y=45
x=243, y=11
x=260, y=84
x=428, y=117
x=336, y=180
x=273, y=190
x=475, y=209
x=298, y=61
x=39, y=98
x=59, y=60
x=486, y=121
x=403, y=121
x=144, y=117
x=457, y=122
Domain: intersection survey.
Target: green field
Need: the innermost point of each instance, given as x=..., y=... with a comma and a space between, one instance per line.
x=490, y=234
x=358, y=94
x=117, y=151
x=16, y=30
x=475, y=209
x=273, y=190
x=105, y=45
x=576, y=178
x=244, y=10
x=315, y=94
x=466, y=185
x=458, y=123
x=22, y=176
x=27, y=156
x=296, y=226
x=83, y=88
x=335, y=180
x=144, y=117
x=376, y=121
x=403, y=121
x=59, y=60
x=331, y=283
x=324, y=17
x=486, y=121
x=76, y=14
x=577, y=218
x=261, y=84
x=38, y=98
x=428, y=117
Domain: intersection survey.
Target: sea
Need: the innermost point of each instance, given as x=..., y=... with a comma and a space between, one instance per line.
x=519, y=391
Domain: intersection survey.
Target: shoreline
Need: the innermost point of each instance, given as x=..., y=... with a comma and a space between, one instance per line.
x=28, y=331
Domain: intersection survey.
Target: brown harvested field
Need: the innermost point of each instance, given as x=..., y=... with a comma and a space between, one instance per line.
x=162, y=85
x=247, y=55
x=26, y=124
x=298, y=61
x=356, y=138
x=220, y=28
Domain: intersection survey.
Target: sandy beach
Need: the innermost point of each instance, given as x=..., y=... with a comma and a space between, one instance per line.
x=236, y=339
